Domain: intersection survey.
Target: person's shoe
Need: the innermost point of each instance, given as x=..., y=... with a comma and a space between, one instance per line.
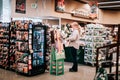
x=71, y=70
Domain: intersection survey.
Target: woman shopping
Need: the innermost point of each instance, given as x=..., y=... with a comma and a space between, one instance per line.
x=74, y=44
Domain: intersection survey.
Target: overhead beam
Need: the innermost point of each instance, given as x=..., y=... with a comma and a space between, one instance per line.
x=110, y=2
x=83, y=1
x=113, y=6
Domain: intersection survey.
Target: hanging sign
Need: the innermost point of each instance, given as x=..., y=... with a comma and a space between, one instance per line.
x=93, y=5
x=20, y=6
x=60, y=5
x=81, y=13
x=89, y=14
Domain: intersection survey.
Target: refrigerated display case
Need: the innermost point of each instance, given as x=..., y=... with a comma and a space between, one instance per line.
x=38, y=46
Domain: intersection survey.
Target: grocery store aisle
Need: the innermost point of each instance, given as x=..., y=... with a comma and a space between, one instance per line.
x=84, y=73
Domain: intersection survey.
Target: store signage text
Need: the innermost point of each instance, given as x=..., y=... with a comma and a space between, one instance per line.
x=83, y=14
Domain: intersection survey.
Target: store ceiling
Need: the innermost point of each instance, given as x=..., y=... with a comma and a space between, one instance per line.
x=105, y=4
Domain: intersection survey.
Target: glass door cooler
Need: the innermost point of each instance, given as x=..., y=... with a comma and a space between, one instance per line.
x=38, y=46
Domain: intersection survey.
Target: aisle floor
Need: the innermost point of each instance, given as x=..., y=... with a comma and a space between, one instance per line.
x=84, y=73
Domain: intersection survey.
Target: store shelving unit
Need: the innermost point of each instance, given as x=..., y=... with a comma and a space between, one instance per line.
x=30, y=48
x=113, y=73
x=22, y=49
x=57, y=54
x=95, y=37
x=48, y=47
x=56, y=66
x=12, y=50
x=4, y=45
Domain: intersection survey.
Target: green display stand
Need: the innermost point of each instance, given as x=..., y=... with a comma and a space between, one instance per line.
x=80, y=55
x=56, y=65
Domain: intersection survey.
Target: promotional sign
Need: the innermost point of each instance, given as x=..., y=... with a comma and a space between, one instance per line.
x=20, y=6
x=85, y=13
x=81, y=13
x=59, y=5
x=93, y=6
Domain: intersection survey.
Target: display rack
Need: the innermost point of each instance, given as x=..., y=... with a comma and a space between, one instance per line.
x=113, y=74
x=109, y=63
x=29, y=47
x=22, y=48
x=95, y=37
x=57, y=54
x=48, y=47
x=56, y=65
x=12, y=63
x=4, y=45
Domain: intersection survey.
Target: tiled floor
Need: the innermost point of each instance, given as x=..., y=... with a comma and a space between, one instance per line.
x=84, y=73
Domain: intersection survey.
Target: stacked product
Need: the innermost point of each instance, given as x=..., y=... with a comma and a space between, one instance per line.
x=48, y=48
x=22, y=52
x=12, y=46
x=4, y=45
x=95, y=37
x=57, y=67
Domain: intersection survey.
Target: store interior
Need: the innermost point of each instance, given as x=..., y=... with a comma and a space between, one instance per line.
x=33, y=37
